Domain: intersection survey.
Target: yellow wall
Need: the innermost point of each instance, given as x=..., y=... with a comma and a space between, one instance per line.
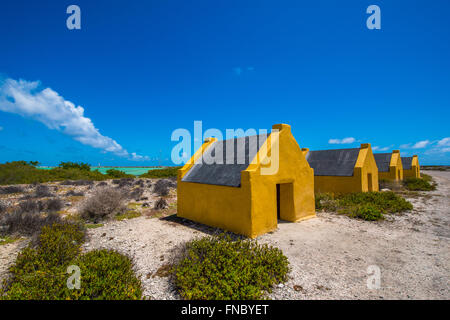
x=295, y=172
x=251, y=209
x=359, y=182
x=395, y=168
x=414, y=172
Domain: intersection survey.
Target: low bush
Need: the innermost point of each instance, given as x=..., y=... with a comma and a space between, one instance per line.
x=366, y=211
x=160, y=204
x=116, y=174
x=26, y=223
x=364, y=205
x=22, y=172
x=136, y=193
x=125, y=182
x=162, y=186
x=72, y=193
x=40, y=272
x=75, y=165
x=103, y=203
x=11, y=189
x=161, y=173
x=419, y=184
x=42, y=191
x=3, y=207
x=53, y=205
x=30, y=205
x=219, y=268
x=140, y=183
x=107, y=275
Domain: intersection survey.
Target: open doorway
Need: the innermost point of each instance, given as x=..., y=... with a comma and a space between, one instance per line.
x=285, y=201
x=369, y=182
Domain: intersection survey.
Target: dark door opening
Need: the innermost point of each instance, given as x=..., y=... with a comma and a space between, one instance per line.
x=369, y=182
x=278, y=201
x=285, y=201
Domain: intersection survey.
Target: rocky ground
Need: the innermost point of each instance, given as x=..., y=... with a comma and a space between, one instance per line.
x=330, y=256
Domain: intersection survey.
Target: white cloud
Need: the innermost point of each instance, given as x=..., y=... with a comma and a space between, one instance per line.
x=1, y=128
x=136, y=157
x=418, y=145
x=444, y=142
x=421, y=144
x=342, y=141
x=48, y=107
x=377, y=148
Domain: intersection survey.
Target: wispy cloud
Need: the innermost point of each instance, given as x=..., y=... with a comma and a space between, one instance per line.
x=378, y=148
x=432, y=146
x=444, y=142
x=342, y=141
x=418, y=145
x=1, y=128
x=25, y=98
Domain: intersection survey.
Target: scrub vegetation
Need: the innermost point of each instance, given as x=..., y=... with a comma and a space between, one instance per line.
x=364, y=205
x=22, y=172
x=40, y=270
x=220, y=268
x=161, y=173
x=425, y=183
x=104, y=202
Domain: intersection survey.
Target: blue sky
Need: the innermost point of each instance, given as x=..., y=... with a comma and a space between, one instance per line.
x=141, y=69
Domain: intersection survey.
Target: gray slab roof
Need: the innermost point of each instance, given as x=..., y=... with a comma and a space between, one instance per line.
x=383, y=161
x=223, y=161
x=337, y=162
x=406, y=163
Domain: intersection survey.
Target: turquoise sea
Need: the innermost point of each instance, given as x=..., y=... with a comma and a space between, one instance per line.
x=128, y=170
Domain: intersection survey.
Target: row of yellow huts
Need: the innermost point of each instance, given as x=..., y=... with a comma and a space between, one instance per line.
x=249, y=191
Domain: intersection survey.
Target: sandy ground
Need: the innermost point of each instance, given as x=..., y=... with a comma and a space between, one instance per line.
x=329, y=255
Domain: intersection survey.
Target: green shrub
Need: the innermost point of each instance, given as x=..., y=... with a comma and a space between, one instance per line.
x=420, y=184
x=75, y=165
x=40, y=272
x=367, y=211
x=21, y=172
x=220, y=269
x=161, y=173
x=386, y=202
x=117, y=174
x=107, y=275
x=365, y=205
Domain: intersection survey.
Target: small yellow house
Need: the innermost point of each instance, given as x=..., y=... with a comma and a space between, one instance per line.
x=247, y=193
x=411, y=167
x=389, y=165
x=343, y=170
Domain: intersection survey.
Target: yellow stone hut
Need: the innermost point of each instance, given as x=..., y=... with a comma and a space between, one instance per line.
x=343, y=170
x=411, y=167
x=247, y=194
x=389, y=165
